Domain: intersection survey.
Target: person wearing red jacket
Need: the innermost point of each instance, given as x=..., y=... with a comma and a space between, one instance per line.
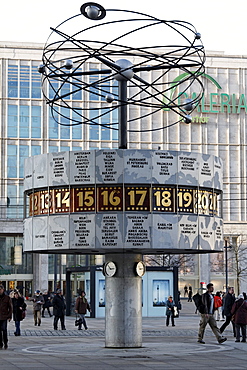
x=218, y=307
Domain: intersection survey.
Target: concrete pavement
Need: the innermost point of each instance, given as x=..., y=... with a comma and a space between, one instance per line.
x=163, y=347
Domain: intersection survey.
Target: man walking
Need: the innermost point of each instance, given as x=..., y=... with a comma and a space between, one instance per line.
x=5, y=315
x=229, y=300
x=38, y=302
x=207, y=317
x=59, y=307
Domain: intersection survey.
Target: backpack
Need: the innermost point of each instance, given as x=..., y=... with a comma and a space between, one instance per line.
x=197, y=298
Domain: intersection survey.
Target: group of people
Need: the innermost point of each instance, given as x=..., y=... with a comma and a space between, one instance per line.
x=43, y=301
x=234, y=311
x=14, y=306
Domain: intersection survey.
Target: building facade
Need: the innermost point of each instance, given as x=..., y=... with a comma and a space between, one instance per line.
x=28, y=128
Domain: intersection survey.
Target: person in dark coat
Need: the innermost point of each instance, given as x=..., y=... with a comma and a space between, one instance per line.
x=19, y=306
x=207, y=316
x=239, y=310
x=190, y=294
x=47, y=303
x=59, y=307
x=5, y=315
x=229, y=300
x=170, y=311
x=81, y=307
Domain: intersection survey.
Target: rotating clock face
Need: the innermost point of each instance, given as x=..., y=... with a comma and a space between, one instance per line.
x=140, y=268
x=110, y=269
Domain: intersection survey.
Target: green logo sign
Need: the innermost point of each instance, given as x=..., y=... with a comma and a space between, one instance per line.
x=213, y=103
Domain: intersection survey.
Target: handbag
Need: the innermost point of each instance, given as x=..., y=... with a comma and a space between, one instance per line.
x=175, y=312
x=78, y=321
x=23, y=314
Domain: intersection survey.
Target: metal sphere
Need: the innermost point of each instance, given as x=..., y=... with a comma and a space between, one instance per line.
x=41, y=68
x=198, y=36
x=69, y=64
x=188, y=119
x=126, y=70
x=188, y=105
x=92, y=12
x=109, y=98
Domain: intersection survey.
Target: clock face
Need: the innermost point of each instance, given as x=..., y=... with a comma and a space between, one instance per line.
x=110, y=269
x=140, y=268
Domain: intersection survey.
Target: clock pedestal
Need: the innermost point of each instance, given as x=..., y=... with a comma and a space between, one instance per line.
x=123, y=293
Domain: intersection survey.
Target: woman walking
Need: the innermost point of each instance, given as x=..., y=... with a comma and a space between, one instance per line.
x=170, y=311
x=239, y=312
x=19, y=306
x=81, y=307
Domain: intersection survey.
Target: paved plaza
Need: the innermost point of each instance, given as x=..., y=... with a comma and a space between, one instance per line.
x=163, y=347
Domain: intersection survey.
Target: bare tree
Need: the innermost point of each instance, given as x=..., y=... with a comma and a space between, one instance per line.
x=238, y=257
x=182, y=261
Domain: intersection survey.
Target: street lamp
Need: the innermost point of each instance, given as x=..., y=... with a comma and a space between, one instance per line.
x=226, y=247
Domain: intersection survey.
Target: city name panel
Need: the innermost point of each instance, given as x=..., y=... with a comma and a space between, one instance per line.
x=103, y=201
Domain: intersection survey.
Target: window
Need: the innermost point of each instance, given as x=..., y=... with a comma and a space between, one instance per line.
x=105, y=132
x=53, y=148
x=24, y=81
x=53, y=126
x=12, y=201
x=93, y=92
x=36, y=83
x=35, y=150
x=12, y=161
x=64, y=119
x=12, y=123
x=23, y=154
x=77, y=86
x=76, y=130
x=36, y=122
x=12, y=81
x=24, y=121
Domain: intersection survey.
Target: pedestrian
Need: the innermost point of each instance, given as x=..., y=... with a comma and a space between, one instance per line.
x=6, y=310
x=47, y=303
x=239, y=316
x=190, y=294
x=229, y=300
x=218, y=307
x=207, y=317
x=38, y=301
x=170, y=305
x=59, y=307
x=19, y=308
x=81, y=307
x=185, y=290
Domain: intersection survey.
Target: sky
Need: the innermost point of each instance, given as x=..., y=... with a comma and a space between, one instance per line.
x=222, y=24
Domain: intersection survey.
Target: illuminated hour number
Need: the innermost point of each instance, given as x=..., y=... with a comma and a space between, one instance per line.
x=45, y=202
x=137, y=199
x=36, y=203
x=163, y=199
x=110, y=198
x=185, y=200
x=62, y=197
x=84, y=199
x=203, y=201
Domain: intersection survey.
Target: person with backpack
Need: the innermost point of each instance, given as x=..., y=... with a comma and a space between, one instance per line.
x=207, y=316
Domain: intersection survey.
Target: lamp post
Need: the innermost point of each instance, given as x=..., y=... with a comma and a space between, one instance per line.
x=226, y=247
